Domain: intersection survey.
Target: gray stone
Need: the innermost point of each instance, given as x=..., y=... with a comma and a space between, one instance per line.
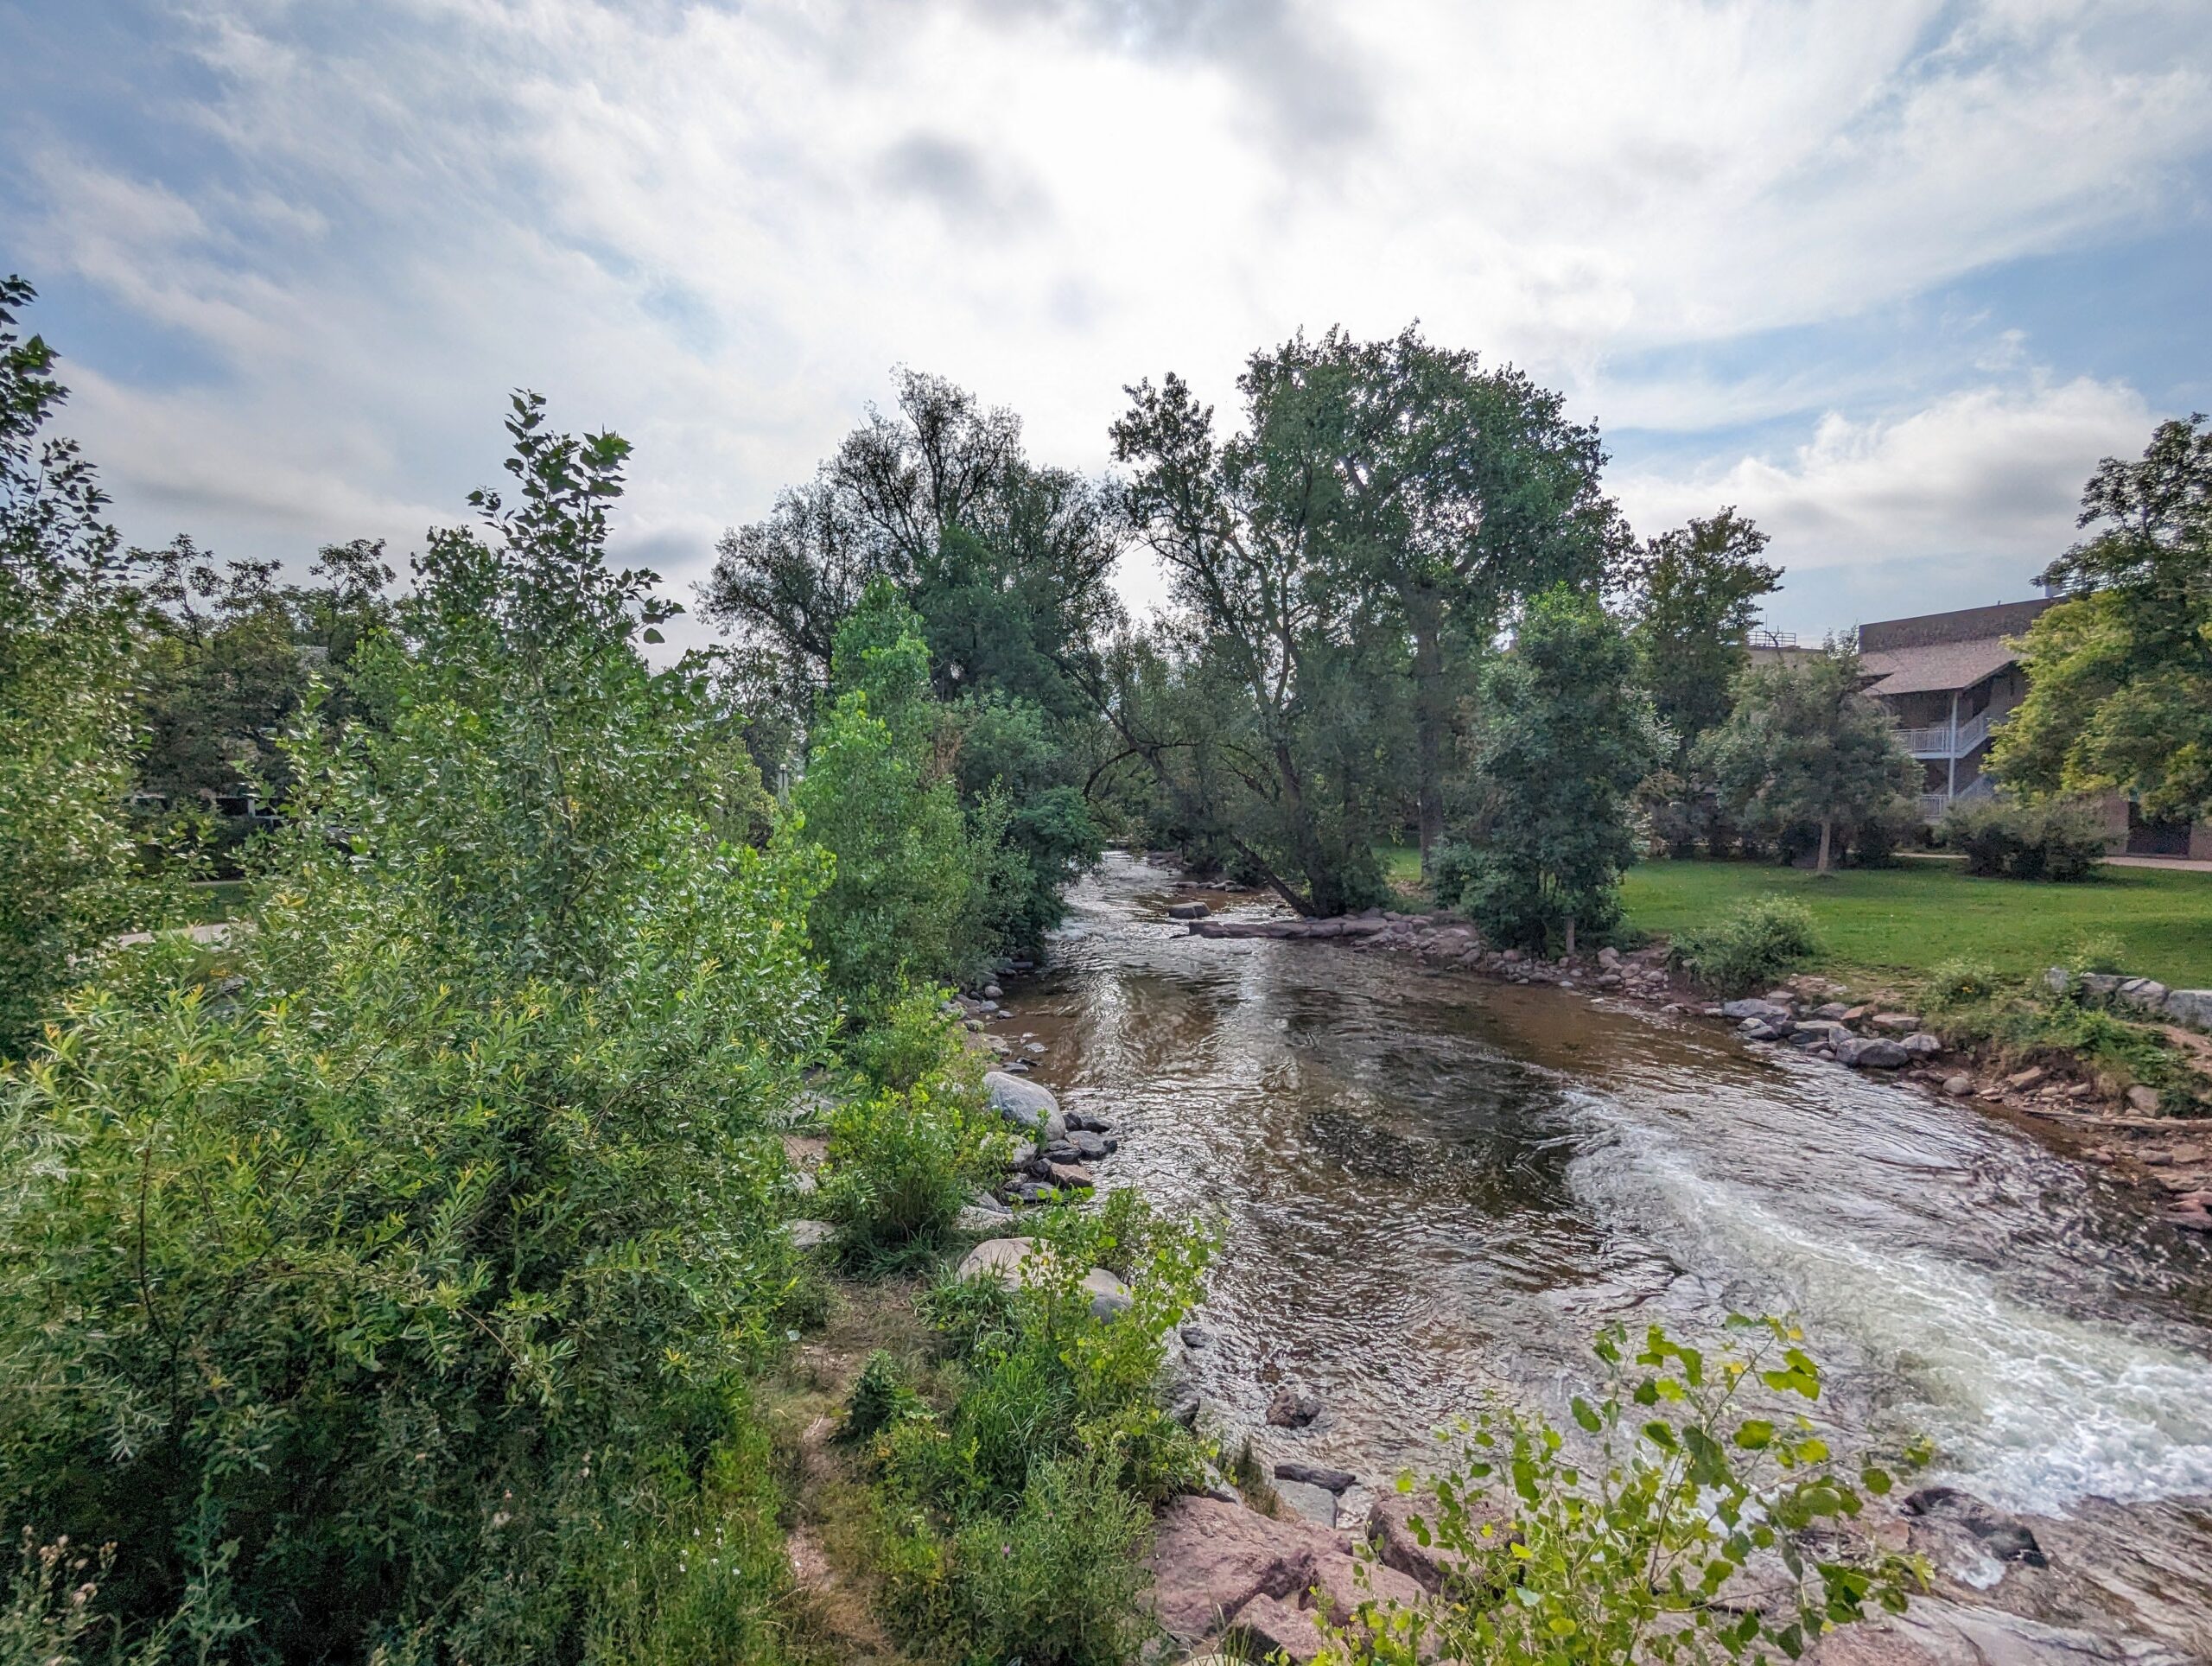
x=1759, y=1029
x=992, y=992
x=2099, y=986
x=811, y=1235
x=2192, y=1007
x=1314, y=1504
x=974, y=1218
x=1188, y=911
x=1958, y=1086
x=1769, y=1011
x=2058, y=981
x=1830, y=1010
x=1028, y=1105
x=1922, y=1045
x=2142, y=1099
x=1108, y=1296
x=2146, y=992
x=1871, y=1054
x=1089, y=1147
x=1331, y=1480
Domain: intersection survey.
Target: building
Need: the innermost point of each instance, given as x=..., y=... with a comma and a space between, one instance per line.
x=1950, y=678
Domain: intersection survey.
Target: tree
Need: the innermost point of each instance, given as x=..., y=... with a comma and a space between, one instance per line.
x=1694, y=595
x=70, y=615
x=1805, y=745
x=900, y=903
x=1005, y=562
x=1563, y=737
x=2120, y=678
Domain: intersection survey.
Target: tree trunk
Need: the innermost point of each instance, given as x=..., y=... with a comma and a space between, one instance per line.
x=1827, y=830
x=1570, y=936
x=1432, y=716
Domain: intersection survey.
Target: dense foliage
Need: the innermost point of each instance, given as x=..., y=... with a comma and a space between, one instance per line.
x=2004, y=838
x=2120, y=678
x=354, y=1295
x=1563, y=739
x=1750, y=946
x=1804, y=747
x=1012, y=1471
x=1691, y=1517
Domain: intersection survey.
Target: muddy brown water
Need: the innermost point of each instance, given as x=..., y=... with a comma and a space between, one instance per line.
x=1432, y=1189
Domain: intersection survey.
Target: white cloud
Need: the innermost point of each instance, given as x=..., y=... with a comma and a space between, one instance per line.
x=1987, y=480
x=717, y=227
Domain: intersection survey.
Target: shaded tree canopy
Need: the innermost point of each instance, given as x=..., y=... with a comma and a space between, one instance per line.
x=2120, y=678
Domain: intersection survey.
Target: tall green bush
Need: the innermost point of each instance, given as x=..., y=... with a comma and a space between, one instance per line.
x=394, y=1294
x=2002, y=839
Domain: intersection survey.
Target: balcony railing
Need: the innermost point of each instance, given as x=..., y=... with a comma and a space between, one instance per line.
x=1933, y=805
x=1942, y=741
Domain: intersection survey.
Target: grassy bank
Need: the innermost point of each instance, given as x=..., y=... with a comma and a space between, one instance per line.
x=1902, y=921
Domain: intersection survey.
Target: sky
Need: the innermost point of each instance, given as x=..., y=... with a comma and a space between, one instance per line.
x=1891, y=276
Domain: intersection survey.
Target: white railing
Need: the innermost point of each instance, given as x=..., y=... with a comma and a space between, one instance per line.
x=1941, y=741
x=1933, y=805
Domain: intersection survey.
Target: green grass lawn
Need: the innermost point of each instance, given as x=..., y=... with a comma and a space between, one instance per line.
x=1908, y=918
x=1400, y=864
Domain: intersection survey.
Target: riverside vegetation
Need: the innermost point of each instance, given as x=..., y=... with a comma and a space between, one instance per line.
x=406, y=1277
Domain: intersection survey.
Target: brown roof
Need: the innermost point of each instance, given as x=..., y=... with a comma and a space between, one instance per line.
x=1936, y=667
x=1967, y=624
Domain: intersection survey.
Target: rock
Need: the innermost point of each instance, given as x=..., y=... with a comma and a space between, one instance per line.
x=811, y=1235
x=1896, y=1021
x=2034, y=1077
x=974, y=1218
x=1768, y=1012
x=2146, y=992
x=1072, y=1177
x=1872, y=1053
x=1832, y=1010
x=2058, y=980
x=1759, y=1029
x=2191, y=1007
x=1293, y=1406
x=1935, y=1632
x=1081, y=1122
x=1609, y=957
x=1188, y=911
x=2004, y=1538
x=1329, y=1480
x=1028, y=1105
x=1921, y=1045
x=1315, y=1504
x=1958, y=1086
x=1108, y=1296
x=1088, y=1146
x=2142, y=1099
x=1218, y=1568
x=992, y=992
x=1821, y=1032
x=999, y=1258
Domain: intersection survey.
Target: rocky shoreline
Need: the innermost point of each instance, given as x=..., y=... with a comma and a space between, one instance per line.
x=2165, y=1162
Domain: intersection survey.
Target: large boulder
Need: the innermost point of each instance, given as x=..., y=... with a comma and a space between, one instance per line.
x=1221, y=1568
x=2145, y=994
x=1390, y=1530
x=1028, y=1105
x=1010, y=1261
x=1188, y=911
x=1767, y=1012
x=1864, y=1053
x=2191, y=1008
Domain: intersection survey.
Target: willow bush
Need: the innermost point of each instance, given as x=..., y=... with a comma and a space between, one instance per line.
x=388, y=1289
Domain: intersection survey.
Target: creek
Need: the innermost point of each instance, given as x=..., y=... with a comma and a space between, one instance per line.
x=1431, y=1190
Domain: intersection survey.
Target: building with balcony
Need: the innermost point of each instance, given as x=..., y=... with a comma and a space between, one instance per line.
x=1950, y=678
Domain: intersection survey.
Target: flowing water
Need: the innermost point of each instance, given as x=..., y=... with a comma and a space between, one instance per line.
x=1433, y=1189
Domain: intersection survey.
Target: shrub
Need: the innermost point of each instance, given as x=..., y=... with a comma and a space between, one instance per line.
x=902, y=1162
x=1058, y=1584
x=1627, y=1545
x=2002, y=839
x=2098, y=952
x=391, y=1285
x=1750, y=946
x=1954, y=983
